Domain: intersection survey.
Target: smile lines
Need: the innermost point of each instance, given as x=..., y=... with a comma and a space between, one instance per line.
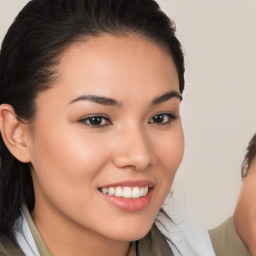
x=126, y=192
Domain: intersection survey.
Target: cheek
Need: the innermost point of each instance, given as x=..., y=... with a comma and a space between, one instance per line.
x=170, y=150
x=65, y=160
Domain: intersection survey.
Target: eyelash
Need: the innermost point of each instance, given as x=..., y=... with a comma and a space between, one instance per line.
x=88, y=120
x=100, y=118
x=170, y=117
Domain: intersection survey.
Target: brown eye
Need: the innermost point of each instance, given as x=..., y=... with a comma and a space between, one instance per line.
x=162, y=119
x=95, y=121
x=158, y=119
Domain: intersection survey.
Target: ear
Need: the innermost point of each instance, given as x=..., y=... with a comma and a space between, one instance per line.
x=14, y=133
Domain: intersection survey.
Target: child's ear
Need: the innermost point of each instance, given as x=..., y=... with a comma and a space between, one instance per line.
x=14, y=133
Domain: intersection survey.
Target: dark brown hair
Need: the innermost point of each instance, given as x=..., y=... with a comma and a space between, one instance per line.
x=249, y=156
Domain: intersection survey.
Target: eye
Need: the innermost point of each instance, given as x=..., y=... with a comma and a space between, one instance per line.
x=162, y=119
x=96, y=121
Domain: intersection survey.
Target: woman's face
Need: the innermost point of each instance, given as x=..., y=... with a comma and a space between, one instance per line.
x=107, y=139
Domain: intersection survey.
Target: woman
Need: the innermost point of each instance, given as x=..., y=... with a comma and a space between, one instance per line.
x=90, y=125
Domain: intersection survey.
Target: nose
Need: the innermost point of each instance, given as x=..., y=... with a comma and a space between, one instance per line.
x=133, y=149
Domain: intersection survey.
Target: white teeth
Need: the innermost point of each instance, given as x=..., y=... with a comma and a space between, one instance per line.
x=141, y=191
x=118, y=192
x=111, y=191
x=136, y=192
x=126, y=192
x=105, y=190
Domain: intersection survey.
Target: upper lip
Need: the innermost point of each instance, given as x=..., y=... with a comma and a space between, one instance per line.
x=130, y=183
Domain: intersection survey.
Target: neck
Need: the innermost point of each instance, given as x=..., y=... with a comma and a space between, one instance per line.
x=245, y=214
x=68, y=240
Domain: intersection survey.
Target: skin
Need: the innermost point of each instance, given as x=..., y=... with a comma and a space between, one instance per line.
x=245, y=212
x=72, y=159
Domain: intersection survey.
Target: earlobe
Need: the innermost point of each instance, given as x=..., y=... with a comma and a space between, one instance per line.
x=14, y=133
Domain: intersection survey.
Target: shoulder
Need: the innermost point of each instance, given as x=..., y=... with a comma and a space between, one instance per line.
x=8, y=247
x=226, y=230
x=226, y=241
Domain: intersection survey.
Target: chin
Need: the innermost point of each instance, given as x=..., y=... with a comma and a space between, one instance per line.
x=131, y=232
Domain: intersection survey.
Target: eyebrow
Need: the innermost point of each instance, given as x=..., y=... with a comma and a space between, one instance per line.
x=166, y=96
x=112, y=102
x=97, y=99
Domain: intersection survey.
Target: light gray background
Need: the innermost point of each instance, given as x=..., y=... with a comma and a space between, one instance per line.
x=218, y=111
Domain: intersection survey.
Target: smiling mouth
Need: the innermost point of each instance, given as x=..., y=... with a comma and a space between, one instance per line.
x=126, y=192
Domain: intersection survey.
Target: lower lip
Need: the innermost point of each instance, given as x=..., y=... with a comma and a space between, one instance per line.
x=129, y=204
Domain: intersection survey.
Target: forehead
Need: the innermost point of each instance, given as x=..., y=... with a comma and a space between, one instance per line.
x=116, y=66
x=120, y=48
x=125, y=52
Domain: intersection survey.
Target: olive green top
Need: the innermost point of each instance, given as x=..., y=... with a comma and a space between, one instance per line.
x=226, y=241
x=154, y=244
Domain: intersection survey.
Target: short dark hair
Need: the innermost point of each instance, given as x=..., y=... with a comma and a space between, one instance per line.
x=33, y=47
x=249, y=156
